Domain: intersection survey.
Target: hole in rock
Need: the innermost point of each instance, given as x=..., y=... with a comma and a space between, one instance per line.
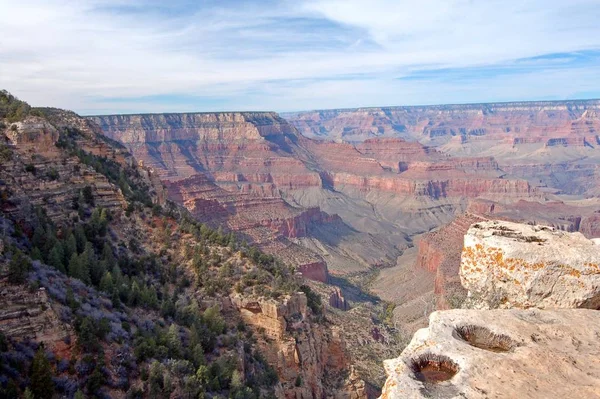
x=433, y=369
x=483, y=338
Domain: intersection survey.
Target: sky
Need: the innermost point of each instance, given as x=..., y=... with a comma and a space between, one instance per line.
x=129, y=56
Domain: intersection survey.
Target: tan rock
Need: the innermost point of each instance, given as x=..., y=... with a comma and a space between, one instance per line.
x=500, y=354
x=506, y=265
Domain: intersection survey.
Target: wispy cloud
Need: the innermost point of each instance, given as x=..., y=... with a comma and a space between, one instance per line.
x=132, y=55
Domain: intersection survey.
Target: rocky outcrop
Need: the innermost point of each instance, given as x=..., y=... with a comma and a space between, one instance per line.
x=337, y=300
x=506, y=265
x=316, y=271
x=500, y=353
x=28, y=315
x=310, y=359
x=33, y=133
x=270, y=315
x=41, y=174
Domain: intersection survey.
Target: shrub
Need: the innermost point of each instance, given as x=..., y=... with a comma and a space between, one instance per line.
x=30, y=168
x=52, y=174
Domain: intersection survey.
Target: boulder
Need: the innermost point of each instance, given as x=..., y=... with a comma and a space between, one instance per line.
x=513, y=353
x=511, y=265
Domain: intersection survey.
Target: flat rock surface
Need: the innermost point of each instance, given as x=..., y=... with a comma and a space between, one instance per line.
x=517, y=354
x=506, y=265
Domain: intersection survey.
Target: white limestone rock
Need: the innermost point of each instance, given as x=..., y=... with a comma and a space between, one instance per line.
x=512, y=265
x=513, y=353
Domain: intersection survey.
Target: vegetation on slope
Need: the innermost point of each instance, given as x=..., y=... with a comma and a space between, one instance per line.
x=140, y=289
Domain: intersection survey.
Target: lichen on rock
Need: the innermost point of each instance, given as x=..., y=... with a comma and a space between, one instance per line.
x=506, y=265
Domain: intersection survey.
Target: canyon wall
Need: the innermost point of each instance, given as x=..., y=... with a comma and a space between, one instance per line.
x=256, y=175
x=522, y=120
x=556, y=144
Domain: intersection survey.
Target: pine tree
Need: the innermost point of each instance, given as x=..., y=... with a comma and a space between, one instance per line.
x=39, y=237
x=78, y=268
x=174, y=341
x=96, y=269
x=135, y=294
x=51, y=241
x=80, y=238
x=36, y=254
x=198, y=355
x=237, y=382
x=70, y=247
x=73, y=268
x=41, y=384
x=18, y=268
x=56, y=256
x=106, y=283
x=107, y=255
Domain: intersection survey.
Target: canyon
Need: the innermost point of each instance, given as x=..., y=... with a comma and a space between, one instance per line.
x=343, y=207
x=366, y=237
x=346, y=192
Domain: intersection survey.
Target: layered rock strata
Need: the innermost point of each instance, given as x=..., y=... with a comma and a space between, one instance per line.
x=254, y=174
x=554, y=144
x=524, y=121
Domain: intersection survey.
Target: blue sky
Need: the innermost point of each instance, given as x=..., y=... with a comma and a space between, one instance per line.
x=120, y=56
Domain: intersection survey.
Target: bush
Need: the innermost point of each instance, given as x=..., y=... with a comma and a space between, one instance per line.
x=30, y=168
x=52, y=174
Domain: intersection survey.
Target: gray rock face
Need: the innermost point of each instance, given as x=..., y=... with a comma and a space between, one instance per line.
x=512, y=353
x=511, y=265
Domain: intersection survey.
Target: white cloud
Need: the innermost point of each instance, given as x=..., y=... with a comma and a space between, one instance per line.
x=288, y=55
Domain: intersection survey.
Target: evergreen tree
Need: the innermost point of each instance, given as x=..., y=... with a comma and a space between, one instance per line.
x=70, y=247
x=41, y=384
x=97, y=379
x=36, y=254
x=96, y=269
x=73, y=267
x=39, y=237
x=87, y=338
x=11, y=390
x=78, y=268
x=56, y=256
x=28, y=394
x=80, y=238
x=51, y=241
x=135, y=294
x=198, y=355
x=106, y=283
x=18, y=268
x=107, y=255
x=237, y=382
x=88, y=195
x=174, y=341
